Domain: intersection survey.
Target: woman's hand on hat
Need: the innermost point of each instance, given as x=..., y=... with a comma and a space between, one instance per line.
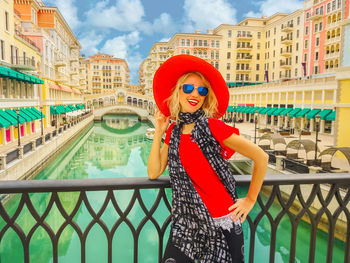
x=241, y=209
x=161, y=122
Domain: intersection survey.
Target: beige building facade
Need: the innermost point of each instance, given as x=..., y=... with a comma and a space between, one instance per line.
x=106, y=73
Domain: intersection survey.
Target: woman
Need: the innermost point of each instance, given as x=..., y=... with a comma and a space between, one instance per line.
x=206, y=213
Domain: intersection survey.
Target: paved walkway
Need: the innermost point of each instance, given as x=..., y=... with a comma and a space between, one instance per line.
x=326, y=142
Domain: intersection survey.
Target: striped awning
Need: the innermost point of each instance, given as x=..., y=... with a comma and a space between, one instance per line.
x=12, y=74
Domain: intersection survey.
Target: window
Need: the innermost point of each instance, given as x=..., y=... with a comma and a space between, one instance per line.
x=257, y=77
x=333, y=5
x=296, y=72
x=274, y=42
x=217, y=65
x=227, y=77
x=298, y=33
x=259, y=35
x=298, y=20
x=258, y=45
x=258, y=56
x=316, y=55
x=228, y=55
x=306, y=42
x=306, y=30
x=182, y=42
x=229, y=33
x=297, y=46
x=273, y=64
x=217, y=44
x=212, y=43
x=339, y=3
x=320, y=26
x=195, y=42
x=228, y=66
x=316, y=28
x=212, y=54
x=296, y=59
x=317, y=41
x=328, y=7
x=2, y=50
x=217, y=55
x=228, y=44
x=6, y=21
x=321, y=10
x=257, y=66
x=188, y=42
x=305, y=57
x=274, y=53
x=274, y=31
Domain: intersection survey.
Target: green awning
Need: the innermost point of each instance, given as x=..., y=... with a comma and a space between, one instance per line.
x=272, y=110
x=331, y=116
x=74, y=108
x=264, y=111
x=302, y=113
x=312, y=113
x=324, y=113
x=278, y=112
x=69, y=108
x=83, y=105
x=8, y=117
x=30, y=113
x=237, y=109
x=252, y=110
x=53, y=110
x=60, y=109
x=4, y=123
x=79, y=106
x=230, y=108
x=246, y=109
x=287, y=110
x=13, y=113
x=25, y=115
x=37, y=112
x=12, y=74
x=294, y=112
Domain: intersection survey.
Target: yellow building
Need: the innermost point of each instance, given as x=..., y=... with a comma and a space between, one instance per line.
x=20, y=63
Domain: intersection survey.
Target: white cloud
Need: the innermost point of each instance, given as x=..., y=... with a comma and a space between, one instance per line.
x=120, y=46
x=270, y=7
x=89, y=43
x=69, y=11
x=125, y=47
x=125, y=15
x=165, y=39
x=207, y=14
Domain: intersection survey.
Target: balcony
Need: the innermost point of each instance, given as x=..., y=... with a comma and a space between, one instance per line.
x=244, y=36
x=243, y=70
x=74, y=46
x=285, y=65
x=332, y=40
x=201, y=46
x=286, y=53
x=60, y=77
x=73, y=71
x=244, y=58
x=287, y=28
x=244, y=47
x=316, y=198
x=23, y=63
x=60, y=63
x=332, y=55
x=27, y=39
x=287, y=40
x=73, y=59
x=315, y=16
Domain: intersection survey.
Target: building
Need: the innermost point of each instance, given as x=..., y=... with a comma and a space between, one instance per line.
x=106, y=73
x=322, y=35
x=20, y=67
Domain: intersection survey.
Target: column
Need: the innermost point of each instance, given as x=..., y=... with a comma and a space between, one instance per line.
x=322, y=123
x=312, y=124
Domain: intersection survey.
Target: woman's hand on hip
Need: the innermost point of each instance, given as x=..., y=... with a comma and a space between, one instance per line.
x=161, y=122
x=241, y=209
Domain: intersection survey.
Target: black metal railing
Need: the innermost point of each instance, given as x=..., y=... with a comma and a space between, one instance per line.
x=27, y=148
x=296, y=205
x=12, y=156
x=295, y=166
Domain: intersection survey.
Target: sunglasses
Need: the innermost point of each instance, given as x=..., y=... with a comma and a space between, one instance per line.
x=188, y=89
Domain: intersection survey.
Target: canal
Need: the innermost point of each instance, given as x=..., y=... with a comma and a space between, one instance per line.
x=114, y=148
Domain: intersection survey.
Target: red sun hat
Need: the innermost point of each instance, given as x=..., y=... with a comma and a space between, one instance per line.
x=173, y=68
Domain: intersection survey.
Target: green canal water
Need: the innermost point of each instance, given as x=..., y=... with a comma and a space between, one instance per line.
x=117, y=148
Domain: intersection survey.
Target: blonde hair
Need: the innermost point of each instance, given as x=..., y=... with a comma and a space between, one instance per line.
x=210, y=105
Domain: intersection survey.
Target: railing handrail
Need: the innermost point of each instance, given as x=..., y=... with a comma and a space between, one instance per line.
x=68, y=185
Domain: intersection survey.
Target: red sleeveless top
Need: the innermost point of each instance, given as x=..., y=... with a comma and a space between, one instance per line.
x=207, y=183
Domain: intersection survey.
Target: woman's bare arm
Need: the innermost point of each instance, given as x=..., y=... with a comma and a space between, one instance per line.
x=260, y=158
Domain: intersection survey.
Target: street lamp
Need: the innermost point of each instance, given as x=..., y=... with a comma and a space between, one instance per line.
x=255, y=123
x=317, y=120
x=56, y=116
x=18, y=133
x=42, y=124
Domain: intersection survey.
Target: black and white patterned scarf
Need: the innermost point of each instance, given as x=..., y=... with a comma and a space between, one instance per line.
x=193, y=230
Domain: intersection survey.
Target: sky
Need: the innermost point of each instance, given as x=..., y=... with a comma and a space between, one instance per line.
x=128, y=29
